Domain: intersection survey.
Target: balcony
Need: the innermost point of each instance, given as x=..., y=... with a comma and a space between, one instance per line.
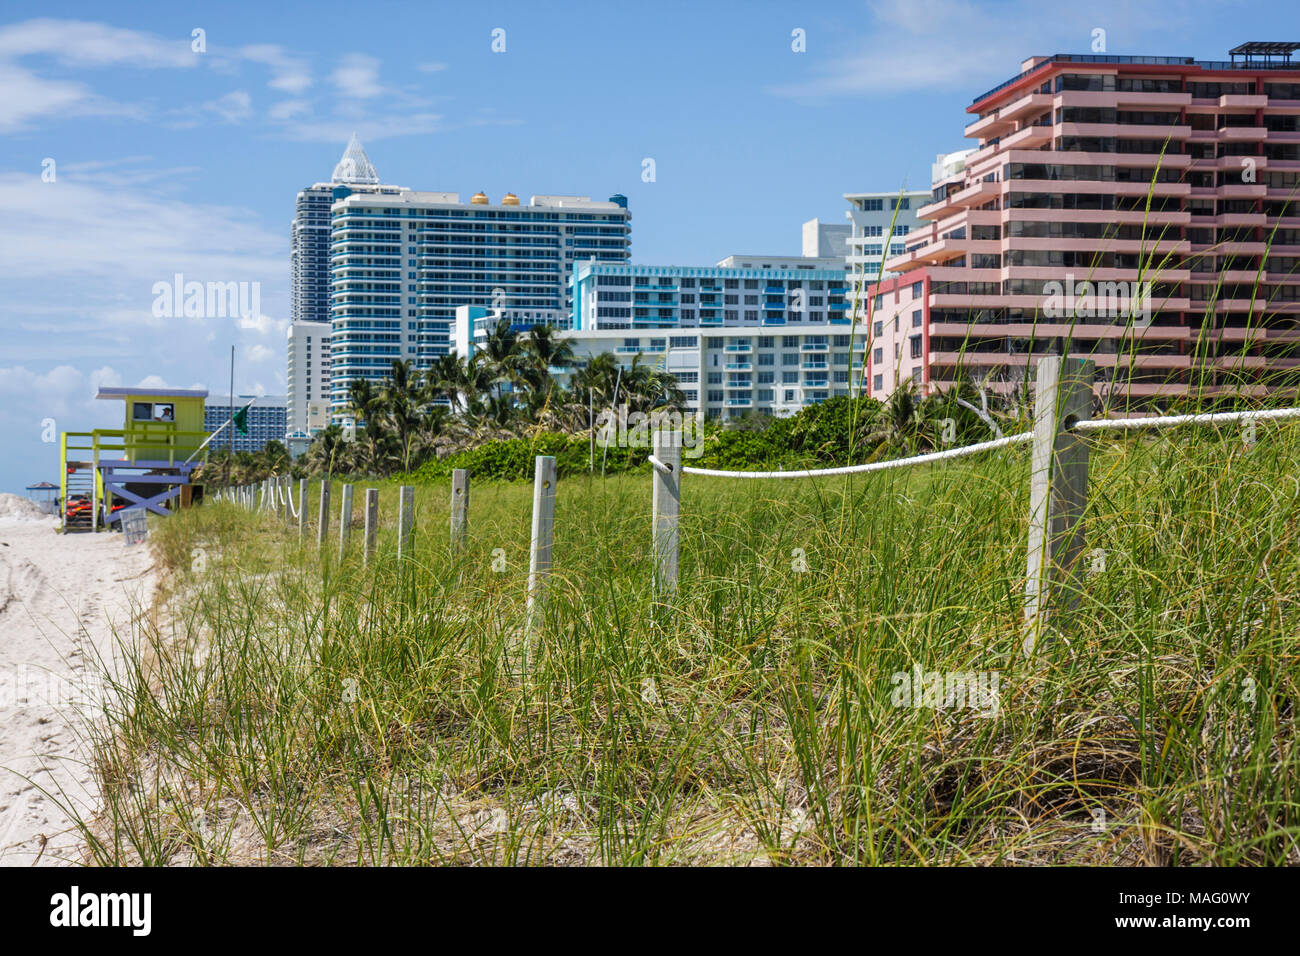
x=814, y=347
x=739, y=383
x=739, y=402
x=810, y=366
x=739, y=367
x=739, y=347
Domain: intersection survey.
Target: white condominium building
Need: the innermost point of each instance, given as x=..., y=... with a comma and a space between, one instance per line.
x=307, y=409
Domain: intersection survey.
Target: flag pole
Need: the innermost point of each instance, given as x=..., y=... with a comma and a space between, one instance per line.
x=230, y=421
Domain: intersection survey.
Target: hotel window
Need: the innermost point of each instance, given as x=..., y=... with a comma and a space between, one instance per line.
x=767, y=358
x=916, y=346
x=878, y=382
x=903, y=203
x=916, y=319
x=767, y=341
x=878, y=355
x=916, y=289
x=789, y=378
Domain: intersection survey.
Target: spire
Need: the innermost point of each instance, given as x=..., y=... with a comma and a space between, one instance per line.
x=355, y=166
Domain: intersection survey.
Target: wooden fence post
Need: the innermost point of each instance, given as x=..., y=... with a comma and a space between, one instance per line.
x=405, y=521
x=459, y=509
x=539, y=550
x=372, y=523
x=345, y=521
x=302, y=509
x=1058, y=490
x=665, y=508
x=323, y=527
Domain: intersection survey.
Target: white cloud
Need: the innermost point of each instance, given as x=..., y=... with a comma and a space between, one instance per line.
x=431, y=67
x=265, y=325
x=290, y=73
x=288, y=109
x=960, y=45
x=357, y=76
x=259, y=353
x=28, y=97
x=81, y=43
x=234, y=107
x=75, y=229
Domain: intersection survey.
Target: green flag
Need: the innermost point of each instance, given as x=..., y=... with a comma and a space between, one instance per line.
x=241, y=419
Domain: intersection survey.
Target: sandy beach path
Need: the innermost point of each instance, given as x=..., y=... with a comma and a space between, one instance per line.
x=61, y=597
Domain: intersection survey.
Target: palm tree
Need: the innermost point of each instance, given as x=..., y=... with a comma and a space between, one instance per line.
x=327, y=451
x=501, y=354
x=364, y=400
x=542, y=351
x=401, y=402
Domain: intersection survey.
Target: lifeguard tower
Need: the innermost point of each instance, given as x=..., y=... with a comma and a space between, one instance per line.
x=144, y=464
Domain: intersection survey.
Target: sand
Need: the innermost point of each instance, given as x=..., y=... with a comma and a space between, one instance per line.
x=62, y=599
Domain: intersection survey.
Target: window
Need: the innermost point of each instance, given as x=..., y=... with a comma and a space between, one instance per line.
x=917, y=287
x=900, y=203
x=916, y=319
x=682, y=341
x=878, y=355
x=878, y=382
x=916, y=346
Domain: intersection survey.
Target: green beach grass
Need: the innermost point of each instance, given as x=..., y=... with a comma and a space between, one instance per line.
x=294, y=708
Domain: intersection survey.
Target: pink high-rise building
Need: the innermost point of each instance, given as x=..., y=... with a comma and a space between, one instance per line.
x=1143, y=212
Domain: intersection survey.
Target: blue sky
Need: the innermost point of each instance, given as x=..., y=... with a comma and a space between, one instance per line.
x=167, y=160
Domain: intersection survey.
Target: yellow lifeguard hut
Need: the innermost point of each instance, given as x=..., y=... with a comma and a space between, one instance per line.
x=144, y=464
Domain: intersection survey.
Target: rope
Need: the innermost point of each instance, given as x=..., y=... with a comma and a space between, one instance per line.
x=292, y=507
x=662, y=467
x=870, y=466
x=1168, y=421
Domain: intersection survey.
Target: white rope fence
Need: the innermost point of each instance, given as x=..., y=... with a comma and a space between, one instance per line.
x=1169, y=421
x=1088, y=425
x=944, y=455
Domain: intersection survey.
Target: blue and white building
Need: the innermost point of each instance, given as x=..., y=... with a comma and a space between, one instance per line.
x=266, y=420
x=402, y=262
x=739, y=338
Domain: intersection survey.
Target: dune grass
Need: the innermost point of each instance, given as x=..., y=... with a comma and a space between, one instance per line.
x=294, y=708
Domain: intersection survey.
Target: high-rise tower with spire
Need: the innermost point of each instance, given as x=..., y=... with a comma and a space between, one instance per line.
x=308, y=379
